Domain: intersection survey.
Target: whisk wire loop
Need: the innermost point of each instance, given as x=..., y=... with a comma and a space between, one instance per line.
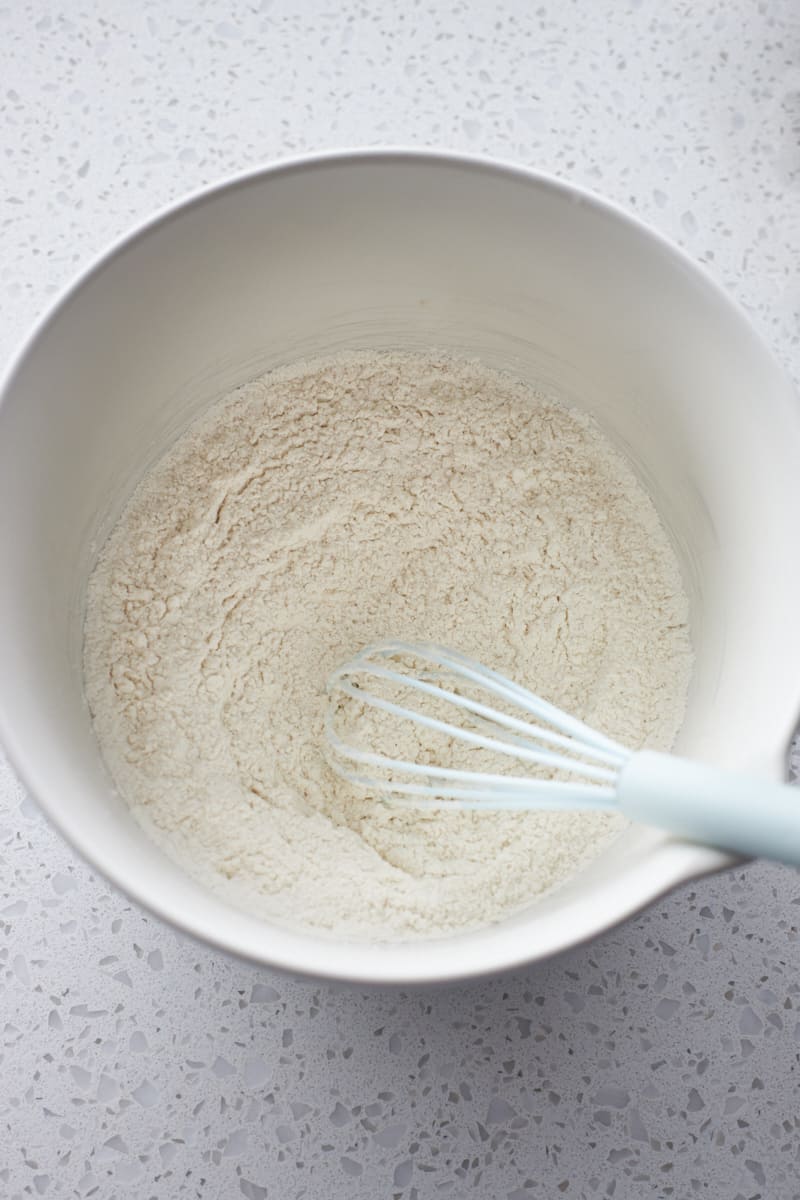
x=564, y=746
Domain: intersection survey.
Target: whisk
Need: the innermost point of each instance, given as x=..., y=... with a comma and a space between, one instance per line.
x=561, y=763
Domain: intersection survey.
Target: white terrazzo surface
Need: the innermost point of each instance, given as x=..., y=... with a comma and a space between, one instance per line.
x=663, y=1059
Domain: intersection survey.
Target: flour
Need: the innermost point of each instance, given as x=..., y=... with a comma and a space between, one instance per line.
x=327, y=506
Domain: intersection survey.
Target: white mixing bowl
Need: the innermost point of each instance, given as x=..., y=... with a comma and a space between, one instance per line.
x=396, y=249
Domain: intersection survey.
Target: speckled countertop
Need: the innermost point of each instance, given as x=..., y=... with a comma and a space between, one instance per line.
x=659, y=1061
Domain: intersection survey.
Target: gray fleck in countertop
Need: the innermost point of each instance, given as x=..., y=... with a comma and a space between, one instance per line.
x=662, y=1060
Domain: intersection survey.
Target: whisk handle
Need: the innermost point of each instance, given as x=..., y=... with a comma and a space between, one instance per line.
x=750, y=816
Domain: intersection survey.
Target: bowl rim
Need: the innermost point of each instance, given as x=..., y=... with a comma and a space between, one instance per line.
x=667, y=862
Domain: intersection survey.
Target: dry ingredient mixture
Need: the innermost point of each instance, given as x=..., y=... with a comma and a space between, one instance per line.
x=329, y=505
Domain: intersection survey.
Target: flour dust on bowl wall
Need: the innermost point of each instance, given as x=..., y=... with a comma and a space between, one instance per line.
x=369, y=395
x=312, y=512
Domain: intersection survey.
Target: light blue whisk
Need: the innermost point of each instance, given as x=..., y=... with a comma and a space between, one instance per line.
x=741, y=813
